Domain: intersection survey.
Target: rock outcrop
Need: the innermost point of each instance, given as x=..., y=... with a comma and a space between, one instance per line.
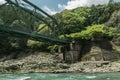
x=101, y=51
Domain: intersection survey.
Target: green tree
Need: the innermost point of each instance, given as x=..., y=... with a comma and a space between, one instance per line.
x=111, y=1
x=114, y=22
x=93, y=32
x=72, y=22
x=101, y=13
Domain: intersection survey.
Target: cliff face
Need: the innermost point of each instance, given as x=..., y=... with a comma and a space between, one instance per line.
x=99, y=50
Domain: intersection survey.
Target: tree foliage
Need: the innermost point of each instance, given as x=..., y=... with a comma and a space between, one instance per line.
x=101, y=13
x=114, y=22
x=74, y=20
x=92, y=32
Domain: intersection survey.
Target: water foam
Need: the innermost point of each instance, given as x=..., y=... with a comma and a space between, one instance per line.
x=90, y=77
x=25, y=78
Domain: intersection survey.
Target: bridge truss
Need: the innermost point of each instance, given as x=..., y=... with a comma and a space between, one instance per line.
x=29, y=21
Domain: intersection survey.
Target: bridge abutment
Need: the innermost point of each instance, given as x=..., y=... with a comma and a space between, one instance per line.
x=71, y=52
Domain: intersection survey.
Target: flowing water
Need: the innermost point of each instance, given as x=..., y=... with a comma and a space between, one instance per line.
x=61, y=76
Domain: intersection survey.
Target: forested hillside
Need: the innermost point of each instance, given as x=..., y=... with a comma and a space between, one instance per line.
x=83, y=23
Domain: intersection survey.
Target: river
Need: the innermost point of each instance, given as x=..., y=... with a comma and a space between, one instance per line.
x=61, y=76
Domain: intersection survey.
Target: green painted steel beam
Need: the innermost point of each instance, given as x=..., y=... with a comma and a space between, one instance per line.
x=36, y=7
x=14, y=32
x=53, y=19
x=20, y=33
x=37, y=16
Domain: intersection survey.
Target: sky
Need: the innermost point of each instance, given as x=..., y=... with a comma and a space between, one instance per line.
x=55, y=6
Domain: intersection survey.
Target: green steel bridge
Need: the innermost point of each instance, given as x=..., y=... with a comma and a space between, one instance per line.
x=29, y=21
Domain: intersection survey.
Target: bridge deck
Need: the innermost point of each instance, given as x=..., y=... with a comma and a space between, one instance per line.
x=18, y=33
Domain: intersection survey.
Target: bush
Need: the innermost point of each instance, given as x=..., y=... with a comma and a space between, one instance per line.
x=92, y=31
x=38, y=45
x=53, y=48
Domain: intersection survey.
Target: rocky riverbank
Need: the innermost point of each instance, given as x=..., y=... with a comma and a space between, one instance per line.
x=46, y=62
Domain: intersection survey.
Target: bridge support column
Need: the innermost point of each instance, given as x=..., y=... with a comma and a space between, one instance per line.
x=72, y=55
x=72, y=45
x=59, y=49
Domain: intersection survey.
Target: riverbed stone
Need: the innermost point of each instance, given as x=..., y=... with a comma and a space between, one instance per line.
x=45, y=62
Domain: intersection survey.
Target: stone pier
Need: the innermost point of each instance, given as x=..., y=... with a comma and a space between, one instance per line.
x=72, y=55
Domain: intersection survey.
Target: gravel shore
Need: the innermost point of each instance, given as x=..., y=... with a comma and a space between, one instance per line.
x=45, y=62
